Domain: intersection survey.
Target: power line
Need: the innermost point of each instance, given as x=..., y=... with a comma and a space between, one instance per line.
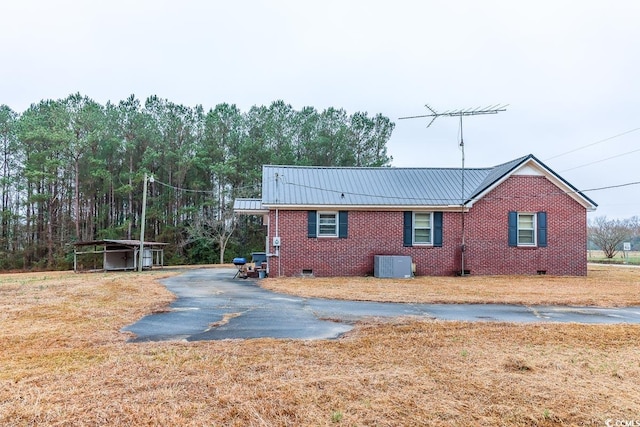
x=202, y=191
x=601, y=160
x=379, y=196
x=592, y=144
x=612, y=186
x=183, y=189
x=455, y=200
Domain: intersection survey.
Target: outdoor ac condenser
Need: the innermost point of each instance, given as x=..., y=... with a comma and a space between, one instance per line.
x=394, y=266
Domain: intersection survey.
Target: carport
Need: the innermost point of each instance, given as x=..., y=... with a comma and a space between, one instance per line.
x=116, y=255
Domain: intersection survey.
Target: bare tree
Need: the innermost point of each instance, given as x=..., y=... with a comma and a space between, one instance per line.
x=634, y=223
x=608, y=235
x=214, y=230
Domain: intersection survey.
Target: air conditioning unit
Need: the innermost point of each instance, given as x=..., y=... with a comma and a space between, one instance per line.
x=392, y=266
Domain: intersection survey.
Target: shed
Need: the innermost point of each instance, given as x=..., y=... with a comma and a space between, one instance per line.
x=116, y=255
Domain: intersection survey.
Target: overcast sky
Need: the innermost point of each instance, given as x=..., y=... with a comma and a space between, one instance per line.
x=568, y=70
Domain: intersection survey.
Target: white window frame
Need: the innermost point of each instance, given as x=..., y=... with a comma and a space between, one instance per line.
x=335, y=223
x=414, y=228
x=534, y=229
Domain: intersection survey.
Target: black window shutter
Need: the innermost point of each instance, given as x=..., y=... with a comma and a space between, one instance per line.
x=542, y=229
x=312, y=224
x=437, y=229
x=513, y=228
x=407, y=229
x=343, y=224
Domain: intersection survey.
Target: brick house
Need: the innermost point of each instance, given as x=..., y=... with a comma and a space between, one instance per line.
x=519, y=217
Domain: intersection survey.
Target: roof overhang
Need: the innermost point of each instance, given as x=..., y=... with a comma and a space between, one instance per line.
x=128, y=243
x=251, y=211
x=249, y=207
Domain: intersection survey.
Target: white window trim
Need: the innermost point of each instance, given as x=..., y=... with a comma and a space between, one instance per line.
x=535, y=230
x=413, y=230
x=335, y=215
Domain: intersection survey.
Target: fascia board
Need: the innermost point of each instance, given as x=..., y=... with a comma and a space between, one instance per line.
x=429, y=208
x=251, y=211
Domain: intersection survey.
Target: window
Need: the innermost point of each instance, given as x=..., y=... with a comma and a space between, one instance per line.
x=528, y=229
x=422, y=231
x=327, y=224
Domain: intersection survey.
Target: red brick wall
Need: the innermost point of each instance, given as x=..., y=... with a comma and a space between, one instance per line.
x=488, y=251
x=486, y=230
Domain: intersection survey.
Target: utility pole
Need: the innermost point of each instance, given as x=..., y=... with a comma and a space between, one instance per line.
x=491, y=109
x=143, y=220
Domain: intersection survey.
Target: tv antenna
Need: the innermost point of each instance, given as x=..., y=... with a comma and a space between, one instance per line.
x=491, y=109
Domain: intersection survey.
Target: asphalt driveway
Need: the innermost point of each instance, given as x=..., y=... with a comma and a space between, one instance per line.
x=211, y=305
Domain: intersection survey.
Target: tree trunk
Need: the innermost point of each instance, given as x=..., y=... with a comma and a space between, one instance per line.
x=130, y=207
x=223, y=244
x=76, y=197
x=52, y=209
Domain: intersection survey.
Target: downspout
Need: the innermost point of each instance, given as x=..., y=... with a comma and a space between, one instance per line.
x=462, y=203
x=277, y=233
x=278, y=247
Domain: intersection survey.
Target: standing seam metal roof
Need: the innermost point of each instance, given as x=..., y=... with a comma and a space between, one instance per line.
x=335, y=186
x=385, y=186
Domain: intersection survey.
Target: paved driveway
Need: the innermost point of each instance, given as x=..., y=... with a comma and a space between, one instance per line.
x=211, y=305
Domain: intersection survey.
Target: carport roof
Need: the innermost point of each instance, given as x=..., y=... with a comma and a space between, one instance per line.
x=132, y=243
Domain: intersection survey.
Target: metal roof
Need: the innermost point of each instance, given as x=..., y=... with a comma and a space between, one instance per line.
x=385, y=186
x=135, y=243
x=339, y=186
x=495, y=174
x=241, y=205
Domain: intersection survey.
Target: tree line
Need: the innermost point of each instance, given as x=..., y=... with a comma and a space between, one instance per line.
x=73, y=169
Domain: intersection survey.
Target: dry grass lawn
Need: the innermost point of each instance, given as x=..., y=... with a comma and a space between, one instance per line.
x=605, y=286
x=65, y=363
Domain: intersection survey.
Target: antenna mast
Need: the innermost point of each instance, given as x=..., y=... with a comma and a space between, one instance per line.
x=491, y=109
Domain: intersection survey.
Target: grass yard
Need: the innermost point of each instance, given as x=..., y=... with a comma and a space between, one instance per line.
x=605, y=286
x=630, y=257
x=64, y=361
